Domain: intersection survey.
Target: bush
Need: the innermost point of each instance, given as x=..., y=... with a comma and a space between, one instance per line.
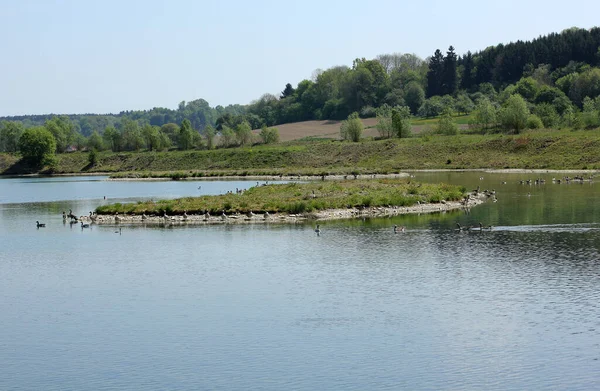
x=352, y=128
x=93, y=157
x=446, y=125
x=534, y=122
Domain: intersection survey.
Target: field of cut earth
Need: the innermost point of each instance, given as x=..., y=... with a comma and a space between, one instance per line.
x=331, y=129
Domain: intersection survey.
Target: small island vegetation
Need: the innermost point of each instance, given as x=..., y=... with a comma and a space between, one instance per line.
x=300, y=198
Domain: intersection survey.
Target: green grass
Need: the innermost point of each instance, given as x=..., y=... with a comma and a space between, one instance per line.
x=540, y=149
x=298, y=198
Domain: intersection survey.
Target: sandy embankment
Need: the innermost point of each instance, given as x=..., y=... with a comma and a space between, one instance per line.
x=471, y=200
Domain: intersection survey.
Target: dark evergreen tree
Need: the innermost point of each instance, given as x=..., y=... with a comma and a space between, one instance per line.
x=449, y=79
x=435, y=74
x=288, y=91
x=467, y=80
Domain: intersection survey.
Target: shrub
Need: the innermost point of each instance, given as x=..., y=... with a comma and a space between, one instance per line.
x=534, y=122
x=352, y=128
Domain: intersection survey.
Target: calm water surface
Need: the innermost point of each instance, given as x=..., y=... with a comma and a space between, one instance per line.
x=275, y=307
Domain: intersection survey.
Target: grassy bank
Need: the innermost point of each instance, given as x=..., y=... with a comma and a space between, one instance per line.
x=297, y=198
x=530, y=150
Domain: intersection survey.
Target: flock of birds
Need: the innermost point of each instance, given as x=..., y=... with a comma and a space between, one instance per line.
x=73, y=219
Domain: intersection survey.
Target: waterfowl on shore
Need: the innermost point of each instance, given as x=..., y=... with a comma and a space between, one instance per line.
x=266, y=215
x=461, y=228
x=93, y=217
x=40, y=225
x=318, y=230
x=84, y=225
x=206, y=215
x=117, y=218
x=185, y=215
x=144, y=217
x=223, y=215
x=484, y=227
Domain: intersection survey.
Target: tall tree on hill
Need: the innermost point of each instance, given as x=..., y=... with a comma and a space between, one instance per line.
x=468, y=65
x=435, y=74
x=449, y=79
x=288, y=91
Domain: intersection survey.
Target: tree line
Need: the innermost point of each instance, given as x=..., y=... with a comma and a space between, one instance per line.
x=556, y=75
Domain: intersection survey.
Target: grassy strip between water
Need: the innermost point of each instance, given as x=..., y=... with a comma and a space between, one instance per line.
x=542, y=149
x=298, y=198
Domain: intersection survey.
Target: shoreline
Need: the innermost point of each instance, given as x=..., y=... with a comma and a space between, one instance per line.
x=400, y=174
x=472, y=199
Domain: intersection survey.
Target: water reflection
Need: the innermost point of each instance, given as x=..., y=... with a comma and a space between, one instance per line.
x=275, y=306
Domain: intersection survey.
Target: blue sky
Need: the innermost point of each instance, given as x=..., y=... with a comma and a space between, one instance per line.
x=80, y=56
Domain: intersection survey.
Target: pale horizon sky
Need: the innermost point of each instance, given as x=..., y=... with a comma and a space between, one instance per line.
x=77, y=56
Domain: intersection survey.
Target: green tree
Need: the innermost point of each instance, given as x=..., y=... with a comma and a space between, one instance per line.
x=464, y=104
x=92, y=157
x=227, y=138
x=414, y=96
x=112, y=138
x=10, y=132
x=37, y=145
x=432, y=107
x=209, y=131
x=449, y=78
x=131, y=135
x=185, y=139
x=95, y=141
x=485, y=113
x=243, y=133
x=401, y=121
x=63, y=131
x=547, y=113
x=151, y=136
x=514, y=114
x=590, y=114
x=384, y=121
x=352, y=128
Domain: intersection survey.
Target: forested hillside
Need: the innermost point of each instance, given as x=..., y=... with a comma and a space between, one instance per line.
x=551, y=81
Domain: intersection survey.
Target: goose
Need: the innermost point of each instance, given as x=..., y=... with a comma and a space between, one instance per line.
x=223, y=215
x=399, y=229
x=64, y=216
x=266, y=215
x=484, y=227
x=185, y=215
x=92, y=217
x=118, y=232
x=461, y=228
x=144, y=217
x=318, y=230
x=84, y=225
x=117, y=218
x=206, y=215
x=40, y=225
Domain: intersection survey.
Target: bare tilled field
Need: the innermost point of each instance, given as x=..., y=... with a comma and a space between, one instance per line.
x=331, y=129
x=318, y=129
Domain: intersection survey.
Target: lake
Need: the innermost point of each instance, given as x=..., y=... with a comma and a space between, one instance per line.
x=275, y=307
